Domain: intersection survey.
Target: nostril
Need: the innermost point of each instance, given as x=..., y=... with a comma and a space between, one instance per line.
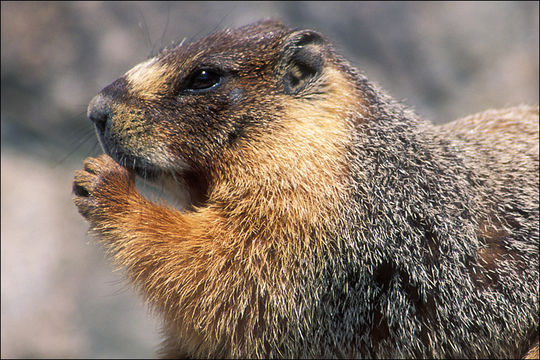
x=99, y=111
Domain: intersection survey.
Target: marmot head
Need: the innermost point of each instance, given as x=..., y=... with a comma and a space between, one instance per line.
x=197, y=110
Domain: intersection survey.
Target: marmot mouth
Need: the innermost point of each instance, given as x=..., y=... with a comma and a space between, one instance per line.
x=187, y=187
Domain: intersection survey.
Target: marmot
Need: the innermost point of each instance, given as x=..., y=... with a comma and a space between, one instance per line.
x=326, y=219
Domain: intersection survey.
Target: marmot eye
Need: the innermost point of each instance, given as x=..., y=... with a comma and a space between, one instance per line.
x=203, y=80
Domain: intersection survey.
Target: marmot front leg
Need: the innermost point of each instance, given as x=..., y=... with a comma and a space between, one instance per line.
x=125, y=222
x=136, y=232
x=175, y=258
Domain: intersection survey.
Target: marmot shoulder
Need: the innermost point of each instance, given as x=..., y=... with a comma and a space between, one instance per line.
x=325, y=219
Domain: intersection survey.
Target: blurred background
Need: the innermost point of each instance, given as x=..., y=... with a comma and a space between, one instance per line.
x=60, y=297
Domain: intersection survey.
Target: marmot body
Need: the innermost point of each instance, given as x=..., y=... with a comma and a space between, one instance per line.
x=326, y=220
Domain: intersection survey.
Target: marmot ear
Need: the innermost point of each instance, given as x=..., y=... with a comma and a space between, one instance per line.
x=302, y=59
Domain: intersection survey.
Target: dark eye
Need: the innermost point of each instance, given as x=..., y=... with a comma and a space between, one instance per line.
x=203, y=80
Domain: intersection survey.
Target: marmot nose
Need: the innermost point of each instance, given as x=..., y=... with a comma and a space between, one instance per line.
x=99, y=111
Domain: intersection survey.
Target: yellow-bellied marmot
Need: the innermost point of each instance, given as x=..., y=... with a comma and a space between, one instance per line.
x=326, y=220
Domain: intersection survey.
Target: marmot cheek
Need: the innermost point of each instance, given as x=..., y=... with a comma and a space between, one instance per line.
x=236, y=96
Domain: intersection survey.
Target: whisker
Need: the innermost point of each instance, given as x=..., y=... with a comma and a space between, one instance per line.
x=161, y=41
x=143, y=26
x=76, y=145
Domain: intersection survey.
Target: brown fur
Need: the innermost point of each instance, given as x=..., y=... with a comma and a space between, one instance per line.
x=321, y=211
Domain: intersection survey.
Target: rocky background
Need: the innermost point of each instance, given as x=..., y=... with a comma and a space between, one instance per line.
x=60, y=297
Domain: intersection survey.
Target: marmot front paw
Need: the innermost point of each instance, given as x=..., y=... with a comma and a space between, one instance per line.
x=100, y=185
